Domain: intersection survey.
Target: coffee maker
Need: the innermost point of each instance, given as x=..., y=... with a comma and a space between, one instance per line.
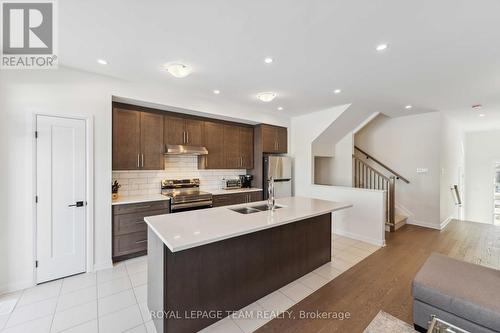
x=246, y=181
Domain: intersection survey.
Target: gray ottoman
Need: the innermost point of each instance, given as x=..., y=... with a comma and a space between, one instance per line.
x=463, y=294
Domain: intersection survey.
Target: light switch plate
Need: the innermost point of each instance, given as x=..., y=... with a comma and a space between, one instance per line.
x=422, y=170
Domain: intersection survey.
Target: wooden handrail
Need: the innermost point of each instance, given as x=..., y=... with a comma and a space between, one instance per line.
x=382, y=165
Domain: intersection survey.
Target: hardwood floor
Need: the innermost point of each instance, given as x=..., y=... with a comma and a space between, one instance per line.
x=383, y=280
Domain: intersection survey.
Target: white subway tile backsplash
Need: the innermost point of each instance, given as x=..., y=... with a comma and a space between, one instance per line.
x=176, y=167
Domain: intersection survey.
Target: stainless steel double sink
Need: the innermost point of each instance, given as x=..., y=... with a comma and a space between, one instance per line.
x=253, y=209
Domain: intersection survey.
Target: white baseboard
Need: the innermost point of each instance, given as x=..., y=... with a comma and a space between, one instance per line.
x=445, y=222
x=13, y=287
x=425, y=224
x=360, y=237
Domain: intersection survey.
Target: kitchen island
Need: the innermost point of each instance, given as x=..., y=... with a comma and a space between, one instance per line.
x=206, y=263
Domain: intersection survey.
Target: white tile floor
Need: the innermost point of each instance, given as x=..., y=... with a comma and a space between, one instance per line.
x=114, y=300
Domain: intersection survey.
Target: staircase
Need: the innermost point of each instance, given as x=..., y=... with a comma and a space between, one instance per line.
x=366, y=176
x=400, y=221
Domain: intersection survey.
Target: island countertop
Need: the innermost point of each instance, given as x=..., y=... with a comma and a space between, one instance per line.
x=184, y=230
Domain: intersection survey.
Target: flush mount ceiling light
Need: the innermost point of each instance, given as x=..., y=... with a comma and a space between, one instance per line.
x=280, y=108
x=178, y=70
x=337, y=91
x=408, y=107
x=216, y=91
x=267, y=96
x=382, y=47
x=102, y=62
x=476, y=107
x=268, y=60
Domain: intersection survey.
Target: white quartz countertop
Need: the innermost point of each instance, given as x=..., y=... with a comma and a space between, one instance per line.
x=236, y=190
x=130, y=199
x=181, y=231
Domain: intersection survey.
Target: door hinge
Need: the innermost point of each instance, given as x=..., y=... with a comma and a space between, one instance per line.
x=36, y=198
x=36, y=263
x=36, y=134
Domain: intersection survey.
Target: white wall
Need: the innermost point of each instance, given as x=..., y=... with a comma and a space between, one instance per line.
x=342, y=161
x=405, y=144
x=452, y=166
x=482, y=151
x=68, y=92
x=365, y=220
x=337, y=169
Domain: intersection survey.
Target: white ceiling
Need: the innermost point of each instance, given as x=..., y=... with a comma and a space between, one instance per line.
x=442, y=55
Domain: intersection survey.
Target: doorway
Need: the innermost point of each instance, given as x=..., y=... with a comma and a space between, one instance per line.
x=61, y=197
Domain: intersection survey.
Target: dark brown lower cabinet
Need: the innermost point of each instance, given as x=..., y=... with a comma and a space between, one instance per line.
x=227, y=275
x=236, y=198
x=129, y=229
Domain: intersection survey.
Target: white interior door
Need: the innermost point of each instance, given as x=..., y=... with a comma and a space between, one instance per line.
x=61, y=207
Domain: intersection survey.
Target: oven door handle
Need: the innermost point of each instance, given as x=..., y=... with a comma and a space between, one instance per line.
x=191, y=204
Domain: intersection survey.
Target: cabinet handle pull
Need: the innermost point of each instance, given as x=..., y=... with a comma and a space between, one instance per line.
x=187, y=137
x=139, y=221
x=241, y=161
x=141, y=241
x=184, y=137
x=138, y=165
x=142, y=159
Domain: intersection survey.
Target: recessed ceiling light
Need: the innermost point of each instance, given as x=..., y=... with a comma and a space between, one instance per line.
x=408, y=107
x=178, y=70
x=382, y=47
x=102, y=61
x=268, y=60
x=280, y=108
x=337, y=91
x=481, y=115
x=267, y=96
x=216, y=92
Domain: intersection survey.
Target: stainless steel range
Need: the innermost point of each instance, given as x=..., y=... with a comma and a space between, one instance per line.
x=185, y=194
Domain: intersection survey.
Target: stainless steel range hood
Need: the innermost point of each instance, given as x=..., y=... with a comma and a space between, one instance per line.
x=185, y=150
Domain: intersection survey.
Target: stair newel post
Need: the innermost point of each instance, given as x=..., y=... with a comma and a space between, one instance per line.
x=392, y=203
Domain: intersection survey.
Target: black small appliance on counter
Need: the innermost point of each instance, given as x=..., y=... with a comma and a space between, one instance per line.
x=246, y=181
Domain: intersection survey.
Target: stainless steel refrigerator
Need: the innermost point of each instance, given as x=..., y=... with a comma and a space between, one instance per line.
x=280, y=168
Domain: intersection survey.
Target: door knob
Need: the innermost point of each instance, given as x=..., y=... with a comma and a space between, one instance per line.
x=77, y=204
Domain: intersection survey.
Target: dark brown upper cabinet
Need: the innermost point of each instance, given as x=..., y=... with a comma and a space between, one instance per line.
x=274, y=139
x=194, y=132
x=183, y=131
x=232, y=156
x=137, y=140
x=238, y=147
x=174, y=131
x=214, y=142
x=246, y=147
x=126, y=139
x=152, y=148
